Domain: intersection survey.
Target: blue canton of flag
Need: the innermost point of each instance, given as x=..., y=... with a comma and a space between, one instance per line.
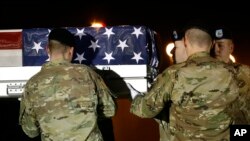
x=116, y=45
x=35, y=41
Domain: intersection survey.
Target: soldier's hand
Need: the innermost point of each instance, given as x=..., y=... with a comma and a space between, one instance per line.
x=133, y=91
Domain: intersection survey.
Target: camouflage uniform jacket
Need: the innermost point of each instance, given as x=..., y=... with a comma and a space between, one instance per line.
x=240, y=110
x=63, y=102
x=200, y=90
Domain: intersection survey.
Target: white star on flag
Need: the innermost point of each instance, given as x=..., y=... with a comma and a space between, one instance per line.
x=122, y=44
x=80, y=33
x=37, y=46
x=137, y=57
x=108, y=32
x=137, y=32
x=80, y=57
x=94, y=45
x=108, y=57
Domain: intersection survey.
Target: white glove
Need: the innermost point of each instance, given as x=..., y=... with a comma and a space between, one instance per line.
x=133, y=91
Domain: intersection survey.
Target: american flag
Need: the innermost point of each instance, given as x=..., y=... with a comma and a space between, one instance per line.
x=10, y=48
x=124, y=54
x=111, y=45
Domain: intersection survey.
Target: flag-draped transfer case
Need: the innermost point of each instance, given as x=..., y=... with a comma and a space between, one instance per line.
x=121, y=54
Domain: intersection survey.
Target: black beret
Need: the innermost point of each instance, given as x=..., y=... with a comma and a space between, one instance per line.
x=177, y=35
x=63, y=36
x=222, y=33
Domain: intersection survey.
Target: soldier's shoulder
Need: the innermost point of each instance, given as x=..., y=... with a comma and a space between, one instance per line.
x=176, y=66
x=86, y=70
x=35, y=77
x=240, y=67
x=173, y=68
x=82, y=67
x=244, y=66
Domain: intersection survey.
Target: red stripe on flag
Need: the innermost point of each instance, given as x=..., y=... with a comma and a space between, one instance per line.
x=10, y=39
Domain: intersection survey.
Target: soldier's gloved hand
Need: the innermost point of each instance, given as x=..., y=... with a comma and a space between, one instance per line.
x=133, y=91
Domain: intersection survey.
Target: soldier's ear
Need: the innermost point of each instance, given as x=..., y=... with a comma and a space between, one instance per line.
x=185, y=41
x=213, y=43
x=231, y=47
x=71, y=51
x=47, y=50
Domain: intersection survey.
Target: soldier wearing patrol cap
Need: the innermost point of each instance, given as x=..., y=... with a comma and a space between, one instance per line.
x=179, y=51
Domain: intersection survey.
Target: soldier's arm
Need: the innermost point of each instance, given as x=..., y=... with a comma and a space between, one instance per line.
x=240, y=109
x=152, y=103
x=244, y=76
x=27, y=118
x=106, y=105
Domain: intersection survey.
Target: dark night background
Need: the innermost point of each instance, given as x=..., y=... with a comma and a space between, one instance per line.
x=161, y=16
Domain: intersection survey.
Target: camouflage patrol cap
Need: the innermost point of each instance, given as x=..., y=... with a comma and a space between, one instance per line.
x=222, y=33
x=63, y=36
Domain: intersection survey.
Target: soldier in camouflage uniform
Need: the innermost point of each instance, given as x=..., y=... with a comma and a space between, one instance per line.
x=223, y=47
x=63, y=101
x=200, y=89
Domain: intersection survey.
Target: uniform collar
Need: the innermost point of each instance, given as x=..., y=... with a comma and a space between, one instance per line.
x=56, y=63
x=198, y=55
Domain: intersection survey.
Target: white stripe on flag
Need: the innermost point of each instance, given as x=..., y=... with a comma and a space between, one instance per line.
x=126, y=70
x=11, y=58
x=10, y=30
